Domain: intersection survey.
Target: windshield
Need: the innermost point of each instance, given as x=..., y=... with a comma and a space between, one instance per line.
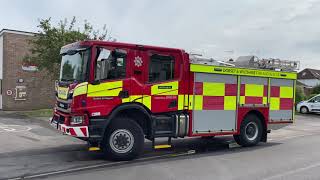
x=74, y=66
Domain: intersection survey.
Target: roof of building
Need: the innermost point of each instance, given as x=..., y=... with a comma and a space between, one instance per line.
x=301, y=84
x=309, y=73
x=16, y=32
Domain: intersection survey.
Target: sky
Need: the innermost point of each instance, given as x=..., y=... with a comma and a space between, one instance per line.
x=286, y=29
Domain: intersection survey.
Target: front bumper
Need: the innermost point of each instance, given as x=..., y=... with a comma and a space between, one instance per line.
x=59, y=122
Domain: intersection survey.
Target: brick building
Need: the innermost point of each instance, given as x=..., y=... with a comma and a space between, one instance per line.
x=21, y=87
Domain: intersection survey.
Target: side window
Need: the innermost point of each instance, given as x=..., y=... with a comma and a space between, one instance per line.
x=110, y=64
x=317, y=99
x=161, y=68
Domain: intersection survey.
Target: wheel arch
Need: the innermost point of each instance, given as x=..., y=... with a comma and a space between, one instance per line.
x=262, y=119
x=304, y=106
x=135, y=111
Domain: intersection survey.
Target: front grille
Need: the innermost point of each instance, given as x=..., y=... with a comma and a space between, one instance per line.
x=63, y=105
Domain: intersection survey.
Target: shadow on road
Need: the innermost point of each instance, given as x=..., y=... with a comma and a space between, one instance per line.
x=77, y=158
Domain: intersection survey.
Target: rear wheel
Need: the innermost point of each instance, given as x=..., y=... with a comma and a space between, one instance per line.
x=304, y=110
x=250, y=131
x=124, y=140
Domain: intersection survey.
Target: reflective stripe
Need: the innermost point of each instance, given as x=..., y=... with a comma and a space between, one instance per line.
x=281, y=94
x=230, y=102
x=255, y=90
x=170, y=88
x=213, y=89
x=105, y=89
x=198, y=102
x=186, y=102
x=180, y=102
x=190, y=101
x=125, y=100
x=242, y=71
x=214, y=92
x=242, y=99
x=80, y=89
x=147, y=101
x=286, y=92
x=133, y=98
x=274, y=103
x=265, y=100
x=136, y=98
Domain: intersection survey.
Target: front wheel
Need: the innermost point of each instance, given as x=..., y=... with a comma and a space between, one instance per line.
x=250, y=131
x=124, y=140
x=304, y=110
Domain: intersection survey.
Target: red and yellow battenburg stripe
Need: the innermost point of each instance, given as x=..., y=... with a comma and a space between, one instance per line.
x=281, y=98
x=253, y=94
x=215, y=96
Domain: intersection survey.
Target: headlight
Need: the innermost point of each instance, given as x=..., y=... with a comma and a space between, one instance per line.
x=77, y=120
x=70, y=94
x=301, y=102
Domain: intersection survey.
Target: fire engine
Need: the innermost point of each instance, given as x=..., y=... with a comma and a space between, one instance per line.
x=115, y=95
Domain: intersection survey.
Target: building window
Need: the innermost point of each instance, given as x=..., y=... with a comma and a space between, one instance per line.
x=161, y=68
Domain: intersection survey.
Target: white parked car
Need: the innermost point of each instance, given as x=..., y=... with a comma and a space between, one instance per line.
x=311, y=105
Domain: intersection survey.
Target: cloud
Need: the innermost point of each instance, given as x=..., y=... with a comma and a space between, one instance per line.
x=221, y=29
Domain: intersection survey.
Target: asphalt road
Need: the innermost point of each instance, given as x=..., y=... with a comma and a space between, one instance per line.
x=30, y=148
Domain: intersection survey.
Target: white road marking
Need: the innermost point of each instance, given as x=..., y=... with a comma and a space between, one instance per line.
x=280, y=176
x=14, y=128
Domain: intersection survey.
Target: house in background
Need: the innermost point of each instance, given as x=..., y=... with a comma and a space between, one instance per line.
x=22, y=87
x=308, y=79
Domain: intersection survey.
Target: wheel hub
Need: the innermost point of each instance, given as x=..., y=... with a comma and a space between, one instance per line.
x=121, y=141
x=251, y=131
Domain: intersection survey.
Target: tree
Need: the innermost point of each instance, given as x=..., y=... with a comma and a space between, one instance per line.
x=49, y=39
x=300, y=96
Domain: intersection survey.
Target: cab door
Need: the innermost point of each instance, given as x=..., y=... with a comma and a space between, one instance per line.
x=137, y=78
x=111, y=84
x=161, y=87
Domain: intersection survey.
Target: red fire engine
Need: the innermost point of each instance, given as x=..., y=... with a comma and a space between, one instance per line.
x=114, y=95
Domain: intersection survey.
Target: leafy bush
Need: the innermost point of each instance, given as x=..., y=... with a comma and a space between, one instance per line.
x=300, y=96
x=311, y=95
x=45, y=47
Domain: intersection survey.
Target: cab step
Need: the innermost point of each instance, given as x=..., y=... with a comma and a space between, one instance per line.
x=94, y=149
x=162, y=146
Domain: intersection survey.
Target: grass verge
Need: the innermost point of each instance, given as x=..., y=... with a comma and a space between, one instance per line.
x=37, y=113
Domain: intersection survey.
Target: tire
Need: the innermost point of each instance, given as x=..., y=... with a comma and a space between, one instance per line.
x=124, y=140
x=250, y=131
x=304, y=110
